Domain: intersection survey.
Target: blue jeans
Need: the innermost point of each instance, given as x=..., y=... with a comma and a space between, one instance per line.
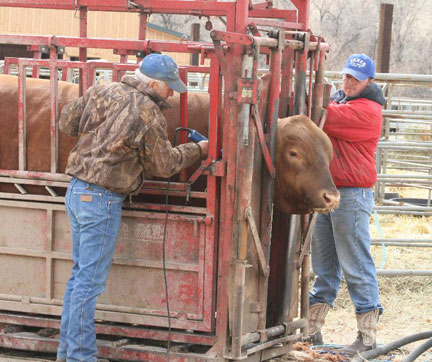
x=341, y=242
x=95, y=217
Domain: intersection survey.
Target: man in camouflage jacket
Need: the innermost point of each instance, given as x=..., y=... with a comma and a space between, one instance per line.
x=122, y=139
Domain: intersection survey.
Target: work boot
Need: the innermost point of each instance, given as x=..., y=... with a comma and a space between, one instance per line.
x=317, y=315
x=366, y=336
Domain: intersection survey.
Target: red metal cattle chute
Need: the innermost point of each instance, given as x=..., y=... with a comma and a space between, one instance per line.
x=219, y=234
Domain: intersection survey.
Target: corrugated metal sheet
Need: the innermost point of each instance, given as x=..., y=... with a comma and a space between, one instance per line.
x=66, y=23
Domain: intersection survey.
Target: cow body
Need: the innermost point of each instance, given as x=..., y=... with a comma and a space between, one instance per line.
x=303, y=182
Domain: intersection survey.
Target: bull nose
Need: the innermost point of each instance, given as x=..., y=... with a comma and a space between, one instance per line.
x=331, y=199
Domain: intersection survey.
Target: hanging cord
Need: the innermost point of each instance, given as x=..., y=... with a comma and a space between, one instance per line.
x=164, y=268
x=164, y=257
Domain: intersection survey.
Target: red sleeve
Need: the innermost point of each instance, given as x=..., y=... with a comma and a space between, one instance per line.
x=355, y=121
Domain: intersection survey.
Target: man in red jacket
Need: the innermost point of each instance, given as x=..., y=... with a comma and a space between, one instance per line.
x=341, y=240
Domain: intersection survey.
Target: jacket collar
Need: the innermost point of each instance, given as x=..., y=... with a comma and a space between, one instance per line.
x=139, y=86
x=373, y=92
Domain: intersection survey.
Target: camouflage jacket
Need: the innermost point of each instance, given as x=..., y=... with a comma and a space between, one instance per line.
x=122, y=137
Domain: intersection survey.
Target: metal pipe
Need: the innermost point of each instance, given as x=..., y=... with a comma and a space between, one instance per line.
x=415, y=245
x=271, y=332
x=411, y=272
x=398, y=212
x=391, y=77
x=383, y=240
x=287, y=284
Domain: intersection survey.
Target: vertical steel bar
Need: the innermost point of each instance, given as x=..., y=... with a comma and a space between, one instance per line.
x=311, y=73
x=142, y=26
x=49, y=249
x=195, y=35
x=53, y=111
x=318, y=89
x=300, y=83
x=305, y=280
x=183, y=116
x=242, y=195
x=35, y=72
x=213, y=191
x=286, y=83
x=267, y=182
x=244, y=191
x=82, y=51
x=214, y=134
x=289, y=282
x=229, y=122
x=22, y=118
x=384, y=38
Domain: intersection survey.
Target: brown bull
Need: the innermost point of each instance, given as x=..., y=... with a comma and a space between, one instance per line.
x=303, y=153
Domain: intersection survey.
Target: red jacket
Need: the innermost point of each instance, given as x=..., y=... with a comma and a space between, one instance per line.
x=354, y=128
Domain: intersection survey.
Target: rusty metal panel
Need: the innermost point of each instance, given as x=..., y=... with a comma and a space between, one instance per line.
x=35, y=263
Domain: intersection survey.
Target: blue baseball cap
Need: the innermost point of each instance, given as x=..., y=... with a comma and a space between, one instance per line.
x=360, y=66
x=163, y=67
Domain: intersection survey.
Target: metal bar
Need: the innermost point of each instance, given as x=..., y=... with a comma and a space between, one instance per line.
x=318, y=89
x=307, y=238
x=262, y=142
x=36, y=175
x=22, y=119
x=54, y=137
x=261, y=257
x=311, y=84
x=237, y=323
x=383, y=240
x=21, y=189
x=271, y=101
x=82, y=50
x=416, y=245
x=384, y=38
x=394, y=272
x=111, y=329
x=286, y=82
x=183, y=117
x=284, y=309
x=300, y=79
x=392, y=77
x=215, y=8
x=304, y=293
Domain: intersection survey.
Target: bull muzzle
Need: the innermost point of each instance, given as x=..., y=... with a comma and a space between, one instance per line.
x=330, y=201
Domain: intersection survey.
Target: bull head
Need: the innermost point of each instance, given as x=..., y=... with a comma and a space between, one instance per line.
x=303, y=181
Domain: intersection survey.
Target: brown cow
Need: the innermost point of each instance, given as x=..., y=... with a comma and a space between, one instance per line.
x=303, y=182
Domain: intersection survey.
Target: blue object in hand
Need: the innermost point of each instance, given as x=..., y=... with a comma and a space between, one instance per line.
x=196, y=137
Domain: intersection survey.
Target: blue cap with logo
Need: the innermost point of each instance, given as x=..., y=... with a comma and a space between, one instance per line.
x=163, y=67
x=360, y=66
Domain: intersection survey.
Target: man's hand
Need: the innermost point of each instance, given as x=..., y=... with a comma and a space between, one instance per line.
x=204, y=149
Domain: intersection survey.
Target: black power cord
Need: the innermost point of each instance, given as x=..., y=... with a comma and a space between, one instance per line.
x=164, y=268
x=164, y=253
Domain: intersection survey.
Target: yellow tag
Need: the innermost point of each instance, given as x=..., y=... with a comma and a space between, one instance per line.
x=86, y=198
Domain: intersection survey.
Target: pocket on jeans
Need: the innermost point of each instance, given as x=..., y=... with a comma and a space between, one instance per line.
x=87, y=205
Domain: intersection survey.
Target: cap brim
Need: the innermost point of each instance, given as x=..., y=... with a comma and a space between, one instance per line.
x=356, y=74
x=177, y=85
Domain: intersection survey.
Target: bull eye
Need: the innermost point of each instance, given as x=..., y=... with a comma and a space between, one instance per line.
x=293, y=153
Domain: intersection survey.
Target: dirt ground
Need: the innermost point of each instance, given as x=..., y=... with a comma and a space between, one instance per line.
x=407, y=300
